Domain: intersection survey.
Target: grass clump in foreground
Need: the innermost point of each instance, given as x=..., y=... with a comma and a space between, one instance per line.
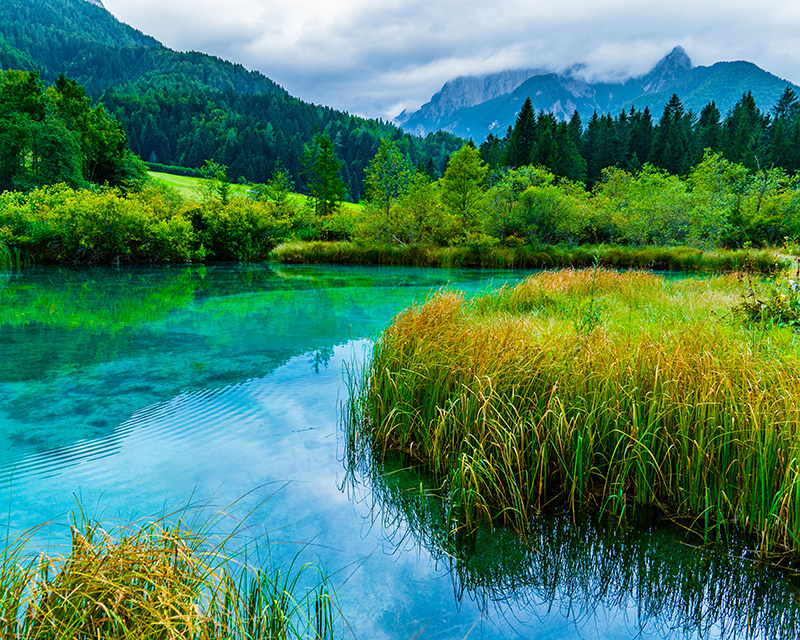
x=155, y=581
x=595, y=389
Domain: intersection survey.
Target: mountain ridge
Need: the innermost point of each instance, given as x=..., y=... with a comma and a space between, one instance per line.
x=563, y=94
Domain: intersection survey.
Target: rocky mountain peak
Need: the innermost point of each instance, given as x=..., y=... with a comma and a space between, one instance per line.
x=96, y=2
x=669, y=69
x=467, y=91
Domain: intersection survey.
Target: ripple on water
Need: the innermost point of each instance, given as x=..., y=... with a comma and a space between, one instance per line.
x=210, y=414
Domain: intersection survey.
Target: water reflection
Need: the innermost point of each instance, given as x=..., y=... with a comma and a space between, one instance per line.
x=83, y=350
x=581, y=570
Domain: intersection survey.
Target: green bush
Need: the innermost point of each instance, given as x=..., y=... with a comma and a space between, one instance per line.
x=242, y=230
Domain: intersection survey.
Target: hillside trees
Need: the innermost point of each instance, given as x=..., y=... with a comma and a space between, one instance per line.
x=56, y=135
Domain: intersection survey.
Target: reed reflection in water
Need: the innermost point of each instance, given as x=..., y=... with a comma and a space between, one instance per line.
x=580, y=569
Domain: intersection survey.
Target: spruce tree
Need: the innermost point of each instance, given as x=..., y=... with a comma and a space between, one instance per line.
x=321, y=167
x=783, y=148
x=744, y=134
x=672, y=140
x=708, y=131
x=523, y=139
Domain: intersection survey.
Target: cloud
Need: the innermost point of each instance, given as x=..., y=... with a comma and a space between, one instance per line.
x=376, y=58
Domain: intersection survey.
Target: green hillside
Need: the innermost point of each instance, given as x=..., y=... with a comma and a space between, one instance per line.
x=184, y=108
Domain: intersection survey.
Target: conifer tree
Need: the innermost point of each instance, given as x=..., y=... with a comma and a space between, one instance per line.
x=783, y=147
x=708, y=131
x=640, y=141
x=321, y=167
x=744, y=134
x=522, y=142
x=672, y=148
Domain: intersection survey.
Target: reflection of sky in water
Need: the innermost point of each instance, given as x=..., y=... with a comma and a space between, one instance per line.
x=228, y=389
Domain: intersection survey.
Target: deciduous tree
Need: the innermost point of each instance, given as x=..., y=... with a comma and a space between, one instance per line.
x=463, y=186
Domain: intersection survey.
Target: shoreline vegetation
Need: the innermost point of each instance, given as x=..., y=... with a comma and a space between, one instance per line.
x=157, y=580
x=59, y=225
x=689, y=259
x=599, y=390
x=718, y=219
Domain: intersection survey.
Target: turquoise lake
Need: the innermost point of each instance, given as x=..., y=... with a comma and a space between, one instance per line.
x=130, y=393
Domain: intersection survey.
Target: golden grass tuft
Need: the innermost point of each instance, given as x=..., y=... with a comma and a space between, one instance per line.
x=155, y=581
x=664, y=399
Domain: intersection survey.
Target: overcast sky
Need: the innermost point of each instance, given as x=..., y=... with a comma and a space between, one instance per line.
x=376, y=57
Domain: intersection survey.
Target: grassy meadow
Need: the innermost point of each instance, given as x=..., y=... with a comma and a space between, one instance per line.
x=190, y=188
x=601, y=390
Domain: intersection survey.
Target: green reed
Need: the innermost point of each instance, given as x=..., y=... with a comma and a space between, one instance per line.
x=158, y=580
x=669, y=402
x=11, y=258
x=679, y=258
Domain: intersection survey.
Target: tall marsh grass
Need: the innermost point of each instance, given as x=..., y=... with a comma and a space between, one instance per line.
x=665, y=399
x=155, y=581
x=528, y=257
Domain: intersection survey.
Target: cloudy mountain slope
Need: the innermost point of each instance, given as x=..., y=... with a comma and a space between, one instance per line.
x=562, y=94
x=183, y=108
x=467, y=91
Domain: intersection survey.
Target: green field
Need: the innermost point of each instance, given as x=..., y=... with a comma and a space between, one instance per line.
x=189, y=188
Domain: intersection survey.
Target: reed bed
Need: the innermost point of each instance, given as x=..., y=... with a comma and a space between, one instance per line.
x=595, y=389
x=155, y=581
x=528, y=257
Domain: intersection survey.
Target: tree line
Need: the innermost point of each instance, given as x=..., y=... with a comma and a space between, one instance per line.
x=677, y=142
x=719, y=203
x=55, y=135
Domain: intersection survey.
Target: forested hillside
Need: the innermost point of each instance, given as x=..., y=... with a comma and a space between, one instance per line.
x=184, y=108
x=55, y=135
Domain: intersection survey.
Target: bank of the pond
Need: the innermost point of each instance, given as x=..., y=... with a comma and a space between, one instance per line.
x=601, y=390
x=63, y=226
x=528, y=257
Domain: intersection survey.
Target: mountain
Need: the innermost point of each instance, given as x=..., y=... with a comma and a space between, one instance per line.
x=563, y=94
x=184, y=108
x=464, y=92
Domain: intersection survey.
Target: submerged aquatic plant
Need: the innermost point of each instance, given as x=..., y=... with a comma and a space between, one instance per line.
x=666, y=404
